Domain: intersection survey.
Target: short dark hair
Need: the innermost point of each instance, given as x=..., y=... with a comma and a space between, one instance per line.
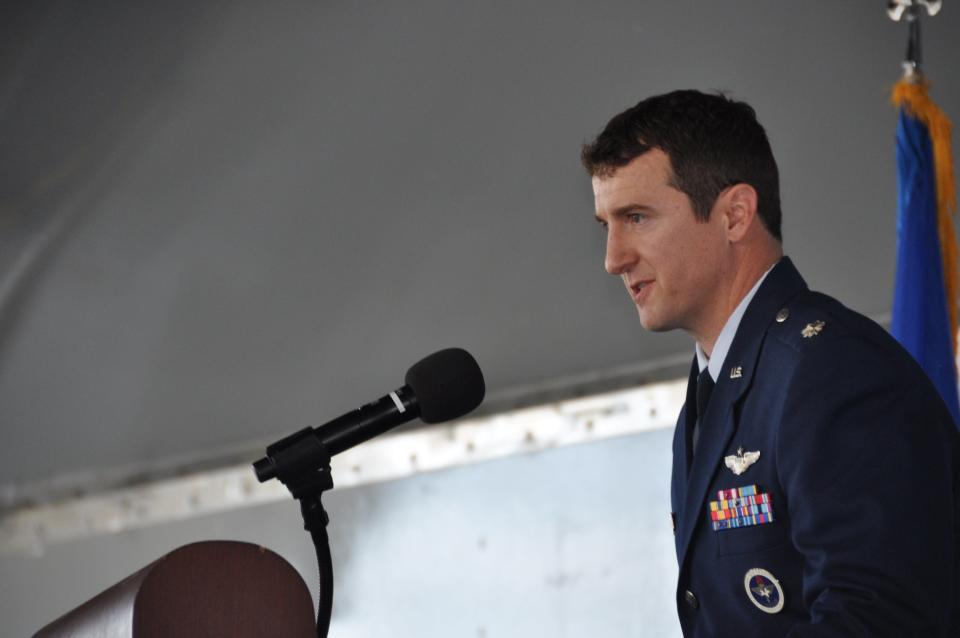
x=712, y=141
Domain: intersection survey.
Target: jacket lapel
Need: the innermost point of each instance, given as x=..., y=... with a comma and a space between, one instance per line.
x=718, y=424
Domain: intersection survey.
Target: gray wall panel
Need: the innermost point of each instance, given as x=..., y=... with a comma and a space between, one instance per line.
x=571, y=542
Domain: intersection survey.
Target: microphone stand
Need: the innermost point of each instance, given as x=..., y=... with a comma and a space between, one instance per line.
x=302, y=463
x=449, y=381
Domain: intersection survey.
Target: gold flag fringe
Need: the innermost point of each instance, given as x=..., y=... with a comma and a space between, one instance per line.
x=912, y=96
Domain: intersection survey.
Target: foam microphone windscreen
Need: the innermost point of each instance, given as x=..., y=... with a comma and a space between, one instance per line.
x=447, y=384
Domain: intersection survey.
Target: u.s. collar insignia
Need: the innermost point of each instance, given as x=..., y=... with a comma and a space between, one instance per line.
x=813, y=329
x=740, y=461
x=763, y=590
x=736, y=372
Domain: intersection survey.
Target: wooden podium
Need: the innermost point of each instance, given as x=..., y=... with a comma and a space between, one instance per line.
x=209, y=589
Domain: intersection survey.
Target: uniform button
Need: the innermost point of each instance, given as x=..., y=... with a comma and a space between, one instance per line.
x=690, y=599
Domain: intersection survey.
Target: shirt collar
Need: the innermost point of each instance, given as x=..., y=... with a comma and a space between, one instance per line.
x=725, y=339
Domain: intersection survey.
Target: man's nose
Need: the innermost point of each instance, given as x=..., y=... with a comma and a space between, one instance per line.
x=619, y=258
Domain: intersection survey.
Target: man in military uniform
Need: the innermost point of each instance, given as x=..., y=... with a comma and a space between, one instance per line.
x=815, y=468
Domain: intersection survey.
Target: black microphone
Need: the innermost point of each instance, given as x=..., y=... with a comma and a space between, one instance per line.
x=442, y=386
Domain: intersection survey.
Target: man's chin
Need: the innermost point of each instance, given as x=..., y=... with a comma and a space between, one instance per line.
x=652, y=323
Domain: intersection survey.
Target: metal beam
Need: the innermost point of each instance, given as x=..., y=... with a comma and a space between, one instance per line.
x=32, y=528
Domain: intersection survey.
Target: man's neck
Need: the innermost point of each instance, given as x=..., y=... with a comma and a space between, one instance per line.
x=744, y=279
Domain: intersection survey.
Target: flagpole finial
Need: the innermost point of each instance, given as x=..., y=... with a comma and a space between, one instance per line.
x=896, y=8
x=909, y=11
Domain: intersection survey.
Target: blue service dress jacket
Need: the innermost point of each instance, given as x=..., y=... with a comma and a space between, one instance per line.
x=822, y=497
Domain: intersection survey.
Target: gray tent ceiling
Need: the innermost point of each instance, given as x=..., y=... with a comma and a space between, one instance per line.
x=223, y=221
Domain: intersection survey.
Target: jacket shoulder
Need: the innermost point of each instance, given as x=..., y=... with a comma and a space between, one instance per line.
x=813, y=321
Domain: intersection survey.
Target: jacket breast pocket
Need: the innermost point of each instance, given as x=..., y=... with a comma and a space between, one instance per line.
x=751, y=540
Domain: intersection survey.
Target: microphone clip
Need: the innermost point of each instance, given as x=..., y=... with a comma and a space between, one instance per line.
x=302, y=463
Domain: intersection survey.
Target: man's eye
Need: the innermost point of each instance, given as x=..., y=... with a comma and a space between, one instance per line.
x=634, y=218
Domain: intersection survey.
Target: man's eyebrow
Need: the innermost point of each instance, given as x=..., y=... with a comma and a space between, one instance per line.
x=620, y=211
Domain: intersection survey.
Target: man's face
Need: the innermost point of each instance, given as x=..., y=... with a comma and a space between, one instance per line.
x=671, y=263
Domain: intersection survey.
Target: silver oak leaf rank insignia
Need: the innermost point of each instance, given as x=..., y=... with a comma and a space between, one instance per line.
x=813, y=329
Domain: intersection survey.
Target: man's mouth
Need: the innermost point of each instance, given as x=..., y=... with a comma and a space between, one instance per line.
x=640, y=289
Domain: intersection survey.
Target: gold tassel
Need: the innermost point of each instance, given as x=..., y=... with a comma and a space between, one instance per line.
x=912, y=96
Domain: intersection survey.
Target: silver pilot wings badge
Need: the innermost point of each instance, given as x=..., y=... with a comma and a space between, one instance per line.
x=740, y=461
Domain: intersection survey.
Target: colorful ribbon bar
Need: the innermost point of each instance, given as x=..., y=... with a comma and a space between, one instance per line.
x=745, y=521
x=735, y=503
x=737, y=492
x=726, y=514
x=741, y=507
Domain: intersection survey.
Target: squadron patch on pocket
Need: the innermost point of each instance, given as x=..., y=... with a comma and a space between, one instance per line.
x=763, y=590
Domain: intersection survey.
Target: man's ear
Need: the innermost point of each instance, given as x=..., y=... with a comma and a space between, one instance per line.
x=739, y=209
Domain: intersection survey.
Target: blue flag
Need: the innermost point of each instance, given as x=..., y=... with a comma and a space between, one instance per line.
x=921, y=318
